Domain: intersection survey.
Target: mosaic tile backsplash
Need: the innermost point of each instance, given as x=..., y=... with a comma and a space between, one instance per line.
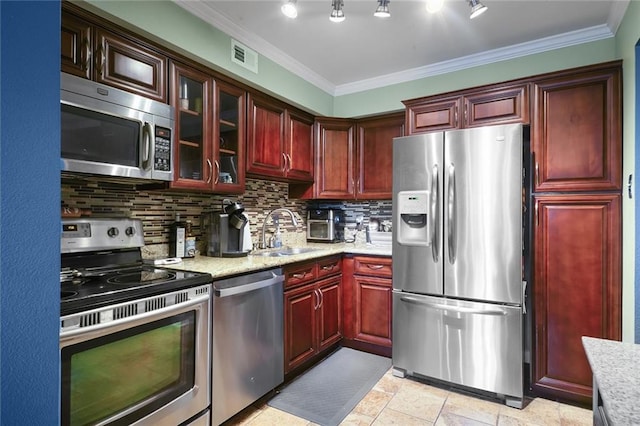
x=158, y=208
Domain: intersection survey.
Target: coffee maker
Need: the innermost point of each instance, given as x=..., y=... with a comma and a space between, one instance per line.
x=227, y=232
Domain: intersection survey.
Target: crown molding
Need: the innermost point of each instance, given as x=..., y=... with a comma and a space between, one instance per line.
x=208, y=14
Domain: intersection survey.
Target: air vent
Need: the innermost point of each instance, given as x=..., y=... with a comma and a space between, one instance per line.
x=243, y=56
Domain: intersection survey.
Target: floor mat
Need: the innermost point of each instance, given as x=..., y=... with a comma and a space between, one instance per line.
x=330, y=390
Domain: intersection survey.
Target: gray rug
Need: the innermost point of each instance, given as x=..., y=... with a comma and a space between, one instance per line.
x=330, y=390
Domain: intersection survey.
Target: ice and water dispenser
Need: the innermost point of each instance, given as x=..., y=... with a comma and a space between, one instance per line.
x=413, y=218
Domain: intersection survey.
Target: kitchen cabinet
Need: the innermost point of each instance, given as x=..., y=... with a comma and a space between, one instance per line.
x=576, y=289
x=280, y=141
x=498, y=104
x=577, y=137
x=94, y=52
x=354, y=158
x=209, y=132
x=312, y=310
x=367, y=302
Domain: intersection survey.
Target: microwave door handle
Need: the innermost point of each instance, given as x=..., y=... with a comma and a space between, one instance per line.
x=146, y=144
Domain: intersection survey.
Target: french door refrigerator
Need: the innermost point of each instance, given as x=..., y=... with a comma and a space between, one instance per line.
x=458, y=258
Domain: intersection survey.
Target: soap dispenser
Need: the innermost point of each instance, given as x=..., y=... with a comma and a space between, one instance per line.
x=277, y=238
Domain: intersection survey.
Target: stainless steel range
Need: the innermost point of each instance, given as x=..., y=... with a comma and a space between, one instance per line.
x=134, y=338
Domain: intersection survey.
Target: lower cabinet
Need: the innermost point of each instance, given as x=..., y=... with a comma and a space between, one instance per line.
x=367, y=303
x=312, y=310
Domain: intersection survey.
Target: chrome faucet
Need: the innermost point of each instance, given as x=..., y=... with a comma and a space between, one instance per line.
x=263, y=243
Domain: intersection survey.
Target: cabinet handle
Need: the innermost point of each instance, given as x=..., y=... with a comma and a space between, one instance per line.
x=455, y=116
x=100, y=60
x=537, y=174
x=284, y=167
x=329, y=267
x=217, y=173
x=290, y=163
x=466, y=115
x=321, y=298
x=537, y=217
x=317, y=304
x=210, y=170
x=87, y=48
x=375, y=267
x=299, y=276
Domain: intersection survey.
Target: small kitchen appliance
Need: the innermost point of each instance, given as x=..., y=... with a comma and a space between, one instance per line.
x=227, y=232
x=325, y=225
x=460, y=258
x=134, y=338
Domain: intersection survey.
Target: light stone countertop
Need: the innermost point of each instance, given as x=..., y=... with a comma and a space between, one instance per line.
x=616, y=367
x=226, y=266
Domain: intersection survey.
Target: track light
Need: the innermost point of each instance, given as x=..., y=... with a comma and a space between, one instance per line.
x=434, y=6
x=383, y=9
x=337, y=14
x=289, y=9
x=477, y=8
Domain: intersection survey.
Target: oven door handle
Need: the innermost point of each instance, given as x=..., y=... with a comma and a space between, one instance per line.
x=132, y=320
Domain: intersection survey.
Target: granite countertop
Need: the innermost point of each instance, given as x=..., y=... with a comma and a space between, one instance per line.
x=616, y=367
x=226, y=266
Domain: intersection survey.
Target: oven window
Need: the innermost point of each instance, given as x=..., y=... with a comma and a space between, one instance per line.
x=148, y=366
x=92, y=136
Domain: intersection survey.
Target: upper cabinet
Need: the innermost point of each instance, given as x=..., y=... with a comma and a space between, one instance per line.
x=577, y=139
x=335, y=158
x=92, y=52
x=279, y=140
x=209, y=132
x=500, y=104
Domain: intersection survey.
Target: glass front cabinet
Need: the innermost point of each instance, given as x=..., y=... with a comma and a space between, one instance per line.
x=209, y=132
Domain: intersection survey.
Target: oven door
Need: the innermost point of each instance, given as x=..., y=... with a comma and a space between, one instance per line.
x=143, y=362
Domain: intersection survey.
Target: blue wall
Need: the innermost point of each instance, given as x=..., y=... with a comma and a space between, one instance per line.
x=29, y=212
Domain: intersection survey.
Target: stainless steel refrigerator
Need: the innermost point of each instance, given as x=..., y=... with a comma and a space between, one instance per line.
x=458, y=249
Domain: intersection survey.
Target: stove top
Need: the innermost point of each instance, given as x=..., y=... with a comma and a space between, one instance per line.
x=102, y=265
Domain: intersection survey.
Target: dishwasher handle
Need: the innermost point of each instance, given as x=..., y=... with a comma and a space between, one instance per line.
x=248, y=287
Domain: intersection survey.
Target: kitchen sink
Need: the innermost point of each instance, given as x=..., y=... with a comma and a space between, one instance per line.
x=289, y=251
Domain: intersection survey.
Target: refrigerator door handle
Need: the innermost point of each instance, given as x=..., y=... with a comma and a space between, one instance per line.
x=435, y=222
x=451, y=214
x=459, y=309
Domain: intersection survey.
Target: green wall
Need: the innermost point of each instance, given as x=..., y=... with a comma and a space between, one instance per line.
x=626, y=39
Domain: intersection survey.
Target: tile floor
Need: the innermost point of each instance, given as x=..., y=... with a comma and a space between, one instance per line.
x=406, y=402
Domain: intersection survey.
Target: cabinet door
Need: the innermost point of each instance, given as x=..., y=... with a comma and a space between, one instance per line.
x=577, y=139
x=229, y=145
x=373, y=310
x=75, y=46
x=265, y=137
x=300, y=325
x=335, y=157
x=429, y=115
x=299, y=146
x=329, y=312
x=577, y=288
x=502, y=105
x=133, y=67
x=191, y=98
x=375, y=147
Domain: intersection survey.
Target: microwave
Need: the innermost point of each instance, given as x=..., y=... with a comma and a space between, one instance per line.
x=325, y=225
x=108, y=131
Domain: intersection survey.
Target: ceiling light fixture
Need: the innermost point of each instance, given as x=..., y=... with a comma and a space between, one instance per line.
x=434, y=6
x=477, y=8
x=289, y=9
x=337, y=14
x=382, y=10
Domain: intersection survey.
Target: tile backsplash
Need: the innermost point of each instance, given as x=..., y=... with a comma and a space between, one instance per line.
x=157, y=208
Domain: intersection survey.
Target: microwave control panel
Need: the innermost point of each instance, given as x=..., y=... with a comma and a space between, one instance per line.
x=162, y=158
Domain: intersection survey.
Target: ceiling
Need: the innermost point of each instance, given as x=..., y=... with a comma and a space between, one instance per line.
x=365, y=52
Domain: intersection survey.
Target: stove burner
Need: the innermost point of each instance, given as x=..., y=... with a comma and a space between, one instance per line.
x=142, y=277
x=64, y=294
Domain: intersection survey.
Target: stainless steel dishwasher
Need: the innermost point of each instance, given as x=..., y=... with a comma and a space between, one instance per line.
x=248, y=340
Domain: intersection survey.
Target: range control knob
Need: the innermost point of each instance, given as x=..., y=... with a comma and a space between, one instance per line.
x=113, y=232
x=130, y=231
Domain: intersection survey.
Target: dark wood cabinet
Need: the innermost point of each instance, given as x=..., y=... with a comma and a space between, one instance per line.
x=367, y=303
x=577, y=289
x=93, y=52
x=577, y=139
x=374, y=156
x=209, y=132
x=497, y=104
x=280, y=141
x=312, y=310
x=354, y=157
